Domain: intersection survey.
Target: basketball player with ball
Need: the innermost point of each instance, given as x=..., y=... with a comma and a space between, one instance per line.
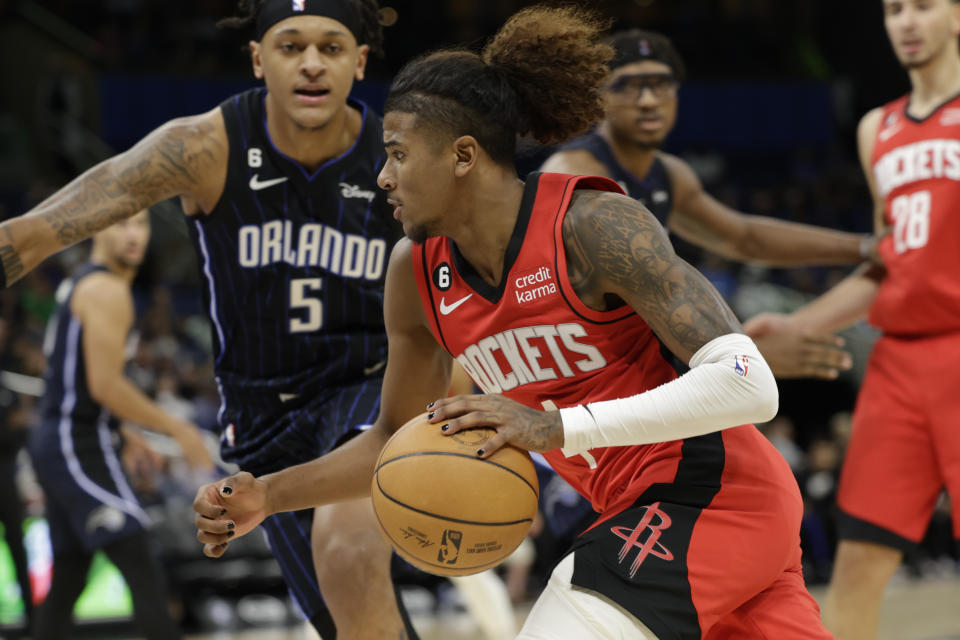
x=563, y=293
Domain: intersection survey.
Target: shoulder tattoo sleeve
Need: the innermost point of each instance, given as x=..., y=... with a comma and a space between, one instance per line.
x=616, y=246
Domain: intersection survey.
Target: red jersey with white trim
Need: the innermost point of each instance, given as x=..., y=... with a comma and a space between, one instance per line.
x=916, y=165
x=533, y=340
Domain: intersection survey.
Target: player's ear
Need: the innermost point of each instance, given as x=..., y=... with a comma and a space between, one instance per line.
x=364, y=52
x=467, y=151
x=255, y=59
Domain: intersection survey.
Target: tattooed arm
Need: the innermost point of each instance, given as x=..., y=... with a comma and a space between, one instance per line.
x=186, y=156
x=617, y=251
x=616, y=248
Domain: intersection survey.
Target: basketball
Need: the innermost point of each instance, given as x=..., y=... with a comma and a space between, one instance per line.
x=445, y=510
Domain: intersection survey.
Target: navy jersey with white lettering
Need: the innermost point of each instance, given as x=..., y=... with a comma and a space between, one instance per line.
x=654, y=190
x=294, y=263
x=89, y=502
x=66, y=394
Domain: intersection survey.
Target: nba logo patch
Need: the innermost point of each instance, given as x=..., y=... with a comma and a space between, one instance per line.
x=298, y=5
x=741, y=370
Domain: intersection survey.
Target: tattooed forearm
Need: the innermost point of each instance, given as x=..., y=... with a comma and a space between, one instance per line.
x=10, y=259
x=166, y=163
x=91, y=203
x=625, y=251
x=179, y=158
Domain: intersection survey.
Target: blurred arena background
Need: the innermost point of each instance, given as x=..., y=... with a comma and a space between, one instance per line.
x=767, y=119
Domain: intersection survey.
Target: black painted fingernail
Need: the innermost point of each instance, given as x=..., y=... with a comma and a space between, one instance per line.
x=230, y=525
x=230, y=534
x=432, y=413
x=226, y=491
x=223, y=511
x=444, y=427
x=430, y=406
x=480, y=452
x=224, y=545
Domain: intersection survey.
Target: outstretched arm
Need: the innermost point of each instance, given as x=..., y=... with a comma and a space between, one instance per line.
x=418, y=370
x=702, y=220
x=183, y=157
x=699, y=218
x=849, y=301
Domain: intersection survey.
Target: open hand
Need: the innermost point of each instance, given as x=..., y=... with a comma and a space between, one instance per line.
x=792, y=353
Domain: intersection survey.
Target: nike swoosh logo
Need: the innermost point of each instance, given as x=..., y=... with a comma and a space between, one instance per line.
x=446, y=309
x=886, y=134
x=256, y=184
x=374, y=368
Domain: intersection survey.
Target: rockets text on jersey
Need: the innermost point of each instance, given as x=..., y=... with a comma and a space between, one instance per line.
x=916, y=168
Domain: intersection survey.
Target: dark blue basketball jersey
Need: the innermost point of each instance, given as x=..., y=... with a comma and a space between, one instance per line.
x=89, y=502
x=654, y=190
x=294, y=264
x=67, y=395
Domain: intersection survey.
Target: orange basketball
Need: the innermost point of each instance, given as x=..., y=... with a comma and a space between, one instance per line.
x=445, y=510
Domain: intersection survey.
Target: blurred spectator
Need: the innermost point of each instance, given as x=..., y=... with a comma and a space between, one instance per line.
x=781, y=433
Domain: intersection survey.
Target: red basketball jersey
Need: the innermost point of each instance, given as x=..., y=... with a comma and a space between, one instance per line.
x=916, y=165
x=534, y=341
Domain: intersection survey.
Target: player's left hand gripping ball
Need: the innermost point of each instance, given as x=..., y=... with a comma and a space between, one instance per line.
x=515, y=424
x=228, y=509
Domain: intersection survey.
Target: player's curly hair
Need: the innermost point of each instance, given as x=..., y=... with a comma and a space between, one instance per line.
x=539, y=75
x=371, y=21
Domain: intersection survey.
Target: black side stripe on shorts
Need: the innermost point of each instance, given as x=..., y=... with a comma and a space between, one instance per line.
x=638, y=558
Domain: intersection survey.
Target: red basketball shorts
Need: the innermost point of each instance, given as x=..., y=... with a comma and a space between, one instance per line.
x=713, y=555
x=905, y=446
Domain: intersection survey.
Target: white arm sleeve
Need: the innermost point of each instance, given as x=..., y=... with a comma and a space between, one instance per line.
x=729, y=384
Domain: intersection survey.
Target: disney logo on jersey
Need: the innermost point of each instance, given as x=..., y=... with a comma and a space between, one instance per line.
x=312, y=245
x=924, y=160
x=353, y=191
x=516, y=357
x=535, y=285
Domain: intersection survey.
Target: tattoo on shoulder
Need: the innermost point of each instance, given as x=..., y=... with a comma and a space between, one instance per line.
x=616, y=246
x=164, y=164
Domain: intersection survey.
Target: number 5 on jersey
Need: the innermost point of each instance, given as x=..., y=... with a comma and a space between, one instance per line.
x=304, y=300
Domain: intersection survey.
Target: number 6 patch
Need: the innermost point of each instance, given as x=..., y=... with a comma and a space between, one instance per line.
x=441, y=276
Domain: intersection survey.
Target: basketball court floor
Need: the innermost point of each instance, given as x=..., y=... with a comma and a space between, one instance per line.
x=926, y=609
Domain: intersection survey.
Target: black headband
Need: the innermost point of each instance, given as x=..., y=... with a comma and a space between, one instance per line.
x=634, y=50
x=638, y=46
x=273, y=11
